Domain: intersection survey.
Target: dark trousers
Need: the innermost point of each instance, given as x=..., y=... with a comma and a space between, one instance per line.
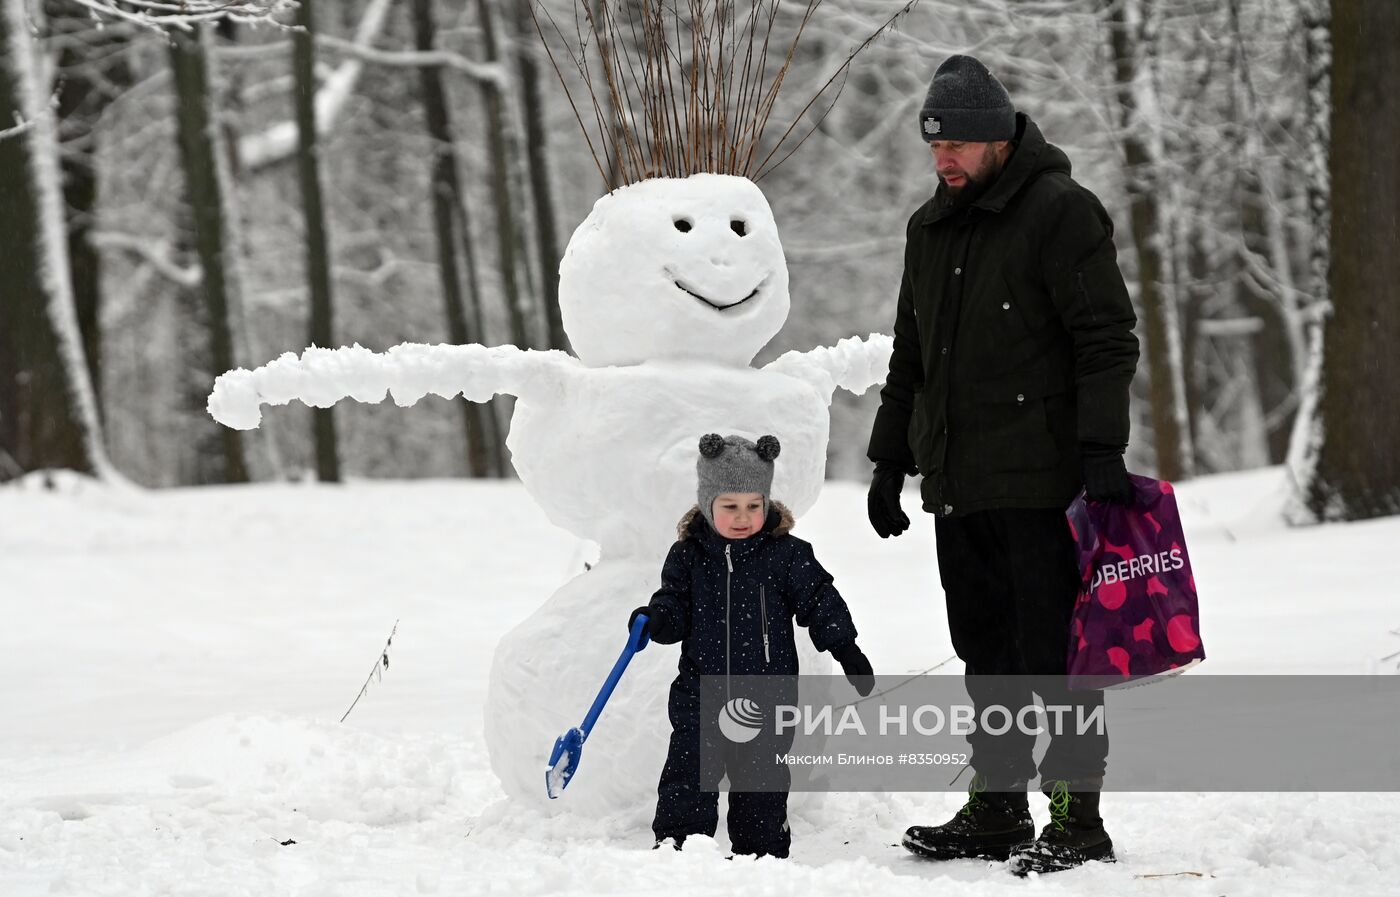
x=685, y=805
x=1010, y=580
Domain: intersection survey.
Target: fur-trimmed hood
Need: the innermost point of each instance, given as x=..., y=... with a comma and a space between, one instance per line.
x=688, y=525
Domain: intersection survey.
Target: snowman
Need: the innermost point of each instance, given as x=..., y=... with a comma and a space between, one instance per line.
x=668, y=289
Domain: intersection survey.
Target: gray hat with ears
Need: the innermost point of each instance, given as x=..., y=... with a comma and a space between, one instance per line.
x=734, y=464
x=966, y=102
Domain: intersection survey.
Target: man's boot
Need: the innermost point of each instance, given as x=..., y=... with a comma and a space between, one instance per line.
x=988, y=826
x=1074, y=836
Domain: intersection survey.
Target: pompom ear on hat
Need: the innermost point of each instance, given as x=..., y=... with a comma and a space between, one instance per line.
x=734, y=464
x=711, y=444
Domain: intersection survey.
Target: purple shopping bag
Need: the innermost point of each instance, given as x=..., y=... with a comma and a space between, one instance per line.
x=1136, y=618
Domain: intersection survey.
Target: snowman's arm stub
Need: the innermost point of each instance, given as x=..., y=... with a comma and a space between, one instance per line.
x=408, y=372
x=854, y=364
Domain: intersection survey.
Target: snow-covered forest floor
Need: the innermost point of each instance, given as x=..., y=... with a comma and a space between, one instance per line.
x=175, y=663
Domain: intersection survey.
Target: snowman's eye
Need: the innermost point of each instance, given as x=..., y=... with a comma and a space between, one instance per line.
x=739, y=226
x=683, y=225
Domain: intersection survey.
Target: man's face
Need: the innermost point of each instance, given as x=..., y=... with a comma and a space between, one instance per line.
x=966, y=168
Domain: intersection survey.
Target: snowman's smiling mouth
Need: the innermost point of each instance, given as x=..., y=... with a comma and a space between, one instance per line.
x=710, y=302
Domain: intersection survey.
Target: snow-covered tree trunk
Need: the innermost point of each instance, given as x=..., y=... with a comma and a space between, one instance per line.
x=91, y=70
x=1266, y=348
x=48, y=414
x=456, y=262
x=212, y=223
x=1306, y=437
x=1136, y=105
x=1358, y=465
x=508, y=246
x=318, y=253
x=1264, y=281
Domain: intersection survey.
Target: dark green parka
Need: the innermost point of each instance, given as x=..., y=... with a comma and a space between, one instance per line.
x=1013, y=341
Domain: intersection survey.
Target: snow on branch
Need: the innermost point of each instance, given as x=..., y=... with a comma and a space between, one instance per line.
x=485, y=72
x=184, y=14
x=23, y=124
x=154, y=253
x=279, y=141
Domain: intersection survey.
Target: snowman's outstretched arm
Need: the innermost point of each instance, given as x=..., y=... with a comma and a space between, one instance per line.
x=853, y=364
x=409, y=371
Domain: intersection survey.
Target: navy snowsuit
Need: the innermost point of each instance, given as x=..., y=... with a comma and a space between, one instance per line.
x=737, y=600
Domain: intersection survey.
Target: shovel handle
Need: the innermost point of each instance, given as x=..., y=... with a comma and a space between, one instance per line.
x=637, y=639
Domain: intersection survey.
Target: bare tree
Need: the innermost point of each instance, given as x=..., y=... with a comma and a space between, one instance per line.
x=537, y=157
x=318, y=261
x=508, y=244
x=1358, y=467
x=456, y=262
x=48, y=414
x=91, y=71
x=1131, y=36
x=1305, y=439
x=203, y=167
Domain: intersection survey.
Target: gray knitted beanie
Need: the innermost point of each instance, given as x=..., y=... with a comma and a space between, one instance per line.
x=966, y=102
x=734, y=464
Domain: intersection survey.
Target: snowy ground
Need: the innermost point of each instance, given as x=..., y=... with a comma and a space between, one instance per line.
x=174, y=664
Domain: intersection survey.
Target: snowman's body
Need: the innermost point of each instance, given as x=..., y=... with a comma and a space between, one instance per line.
x=668, y=290
x=613, y=457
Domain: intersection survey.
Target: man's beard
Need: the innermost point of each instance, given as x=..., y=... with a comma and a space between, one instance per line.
x=975, y=183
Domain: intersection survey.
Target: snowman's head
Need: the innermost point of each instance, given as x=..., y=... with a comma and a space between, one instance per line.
x=675, y=268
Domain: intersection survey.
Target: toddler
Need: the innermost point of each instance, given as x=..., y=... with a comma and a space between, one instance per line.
x=732, y=587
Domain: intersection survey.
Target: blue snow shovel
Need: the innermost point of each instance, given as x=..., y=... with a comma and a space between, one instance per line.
x=568, y=748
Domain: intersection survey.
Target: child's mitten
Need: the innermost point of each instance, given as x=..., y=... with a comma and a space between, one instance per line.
x=661, y=623
x=856, y=666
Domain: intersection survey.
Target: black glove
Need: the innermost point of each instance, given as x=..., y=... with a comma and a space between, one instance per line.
x=856, y=666
x=882, y=504
x=1105, y=476
x=661, y=627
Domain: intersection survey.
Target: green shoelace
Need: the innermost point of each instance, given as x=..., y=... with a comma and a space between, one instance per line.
x=974, y=791
x=1059, y=803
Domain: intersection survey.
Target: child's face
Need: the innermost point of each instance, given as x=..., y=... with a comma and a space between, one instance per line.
x=738, y=515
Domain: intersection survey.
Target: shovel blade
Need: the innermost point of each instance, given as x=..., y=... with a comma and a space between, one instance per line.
x=563, y=762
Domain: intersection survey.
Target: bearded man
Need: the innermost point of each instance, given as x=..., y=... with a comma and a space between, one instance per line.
x=1008, y=394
